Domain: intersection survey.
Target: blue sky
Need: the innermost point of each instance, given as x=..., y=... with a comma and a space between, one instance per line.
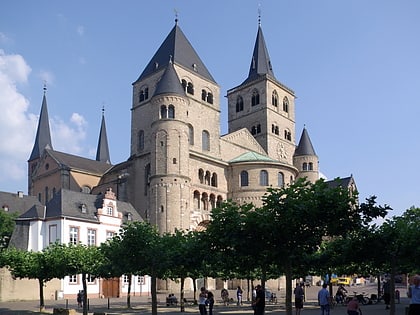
x=354, y=66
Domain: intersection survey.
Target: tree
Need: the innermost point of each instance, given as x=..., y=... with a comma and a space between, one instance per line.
x=7, y=224
x=84, y=260
x=42, y=266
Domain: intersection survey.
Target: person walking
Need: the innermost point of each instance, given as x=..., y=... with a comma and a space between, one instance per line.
x=324, y=300
x=259, y=303
x=414, y=295
x=210, y=301
x=386, y=288
x=202, y=298
x=298, y=292
x=239, y=295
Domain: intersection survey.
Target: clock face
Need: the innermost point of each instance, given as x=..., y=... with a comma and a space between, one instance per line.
x=282, y=152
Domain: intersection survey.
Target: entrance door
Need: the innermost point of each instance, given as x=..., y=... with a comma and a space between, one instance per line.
x=111, y=288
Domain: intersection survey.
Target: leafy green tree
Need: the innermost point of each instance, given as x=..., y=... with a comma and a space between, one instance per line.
x=7, y=224
x=145, y=250
x=84, y=260
x=42, y=266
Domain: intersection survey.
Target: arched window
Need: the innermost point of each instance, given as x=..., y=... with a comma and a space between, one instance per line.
x=205, y=201
x=276, y=131
x=258, y=128
x=244, y=178
x=191, y=134
x=207, y=178
x=253, y=130
x=305, y=166
x=197, y=202
x=214, y=180
x=141, y=140
x=219, y=201
x=184, y=85
x=203, y=95
x=171, y=111
x=209, y=98
x=255, y=100
x=286, y=104
x=146, y=178
x=287, y=135
x=280, y=179
x=146, y=93
x=275, y=99
x=264, y=178
x=212, y=201
x=205, y=140
x=141, y=96
x=201, y=176
x=190, y=88
x=239, y=104
x=310, y=166
x=163, y=112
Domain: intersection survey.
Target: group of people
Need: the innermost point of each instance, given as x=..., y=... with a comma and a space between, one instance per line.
x=205, y=298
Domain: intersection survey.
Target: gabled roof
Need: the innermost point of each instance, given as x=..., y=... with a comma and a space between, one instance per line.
x=43, y=135
x=345, y=182
x=79, y=163
x=102, y=152
x=17, y=202
x=305, y=145
x=260, y=62
x=169, y=82
x=252, y=157
x=177, y=47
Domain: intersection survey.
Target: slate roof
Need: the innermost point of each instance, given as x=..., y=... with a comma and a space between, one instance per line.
x=79, y=163
x=169, y=82
x=177, y=47
x=102, y=152
x=260, y=62
x=18, y=202
x=43, y=135
x=343, y=182
x=252, y=157
x=305, y=146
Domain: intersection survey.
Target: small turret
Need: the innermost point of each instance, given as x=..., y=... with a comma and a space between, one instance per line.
x=305, y=158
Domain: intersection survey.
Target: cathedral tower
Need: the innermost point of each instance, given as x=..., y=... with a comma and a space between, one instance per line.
x=175, y=119
x=264, y=106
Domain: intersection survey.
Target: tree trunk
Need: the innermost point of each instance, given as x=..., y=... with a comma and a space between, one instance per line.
x=129, y=291
x=41, y=295
x=84, y=283
x=154, y=294
x=195, y=290
x=181, y=298
x=288, y=273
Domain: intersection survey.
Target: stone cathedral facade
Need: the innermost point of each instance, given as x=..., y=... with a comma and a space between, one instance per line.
x=180, y=166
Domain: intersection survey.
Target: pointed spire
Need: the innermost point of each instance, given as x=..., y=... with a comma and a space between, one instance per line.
x=305, y=145
x=182, y=52
x=169, y=82
x=102, y=152
x=260, y=62
x=43, y=135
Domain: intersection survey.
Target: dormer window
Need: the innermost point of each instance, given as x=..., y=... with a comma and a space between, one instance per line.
x=83, y=208
x=129, y=216
x=6, y=208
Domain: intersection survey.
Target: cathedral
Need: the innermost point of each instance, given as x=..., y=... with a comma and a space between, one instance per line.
x=180, y=166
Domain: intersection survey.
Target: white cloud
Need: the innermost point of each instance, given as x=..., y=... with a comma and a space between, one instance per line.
x=69, y=136
x=16, y=124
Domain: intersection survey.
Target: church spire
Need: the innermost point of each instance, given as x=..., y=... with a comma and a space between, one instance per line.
x=260, y=62
x=102, y=152
x=43, y=135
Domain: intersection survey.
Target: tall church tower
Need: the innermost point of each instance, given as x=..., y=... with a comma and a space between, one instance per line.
x=175, y=117
x=264, y=106
x=42, y=141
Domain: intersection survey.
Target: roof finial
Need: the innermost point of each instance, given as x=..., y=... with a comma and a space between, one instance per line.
x=45, y=86
x=103, y=109
x=259, y=14
x=176, y=16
